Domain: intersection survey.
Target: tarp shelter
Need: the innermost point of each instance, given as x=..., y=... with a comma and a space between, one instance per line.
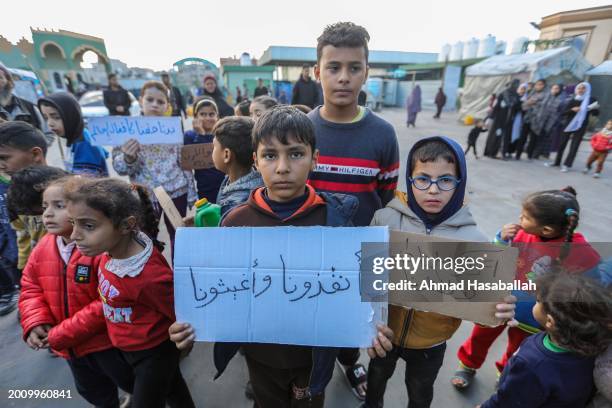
x=490, y=76
x=600, y=78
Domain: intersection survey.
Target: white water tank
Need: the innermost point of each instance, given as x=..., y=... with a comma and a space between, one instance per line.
x=518, y=44
x=444, y=53
x=456, y=52
x=470, y=49
x=486, y=48
x=245, y=59
x=500, y=47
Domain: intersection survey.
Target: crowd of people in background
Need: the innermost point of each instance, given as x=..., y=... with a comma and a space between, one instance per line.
x=541, y=120
x=278, y=165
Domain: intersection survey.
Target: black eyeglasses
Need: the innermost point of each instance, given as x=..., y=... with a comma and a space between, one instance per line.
x=444, y=183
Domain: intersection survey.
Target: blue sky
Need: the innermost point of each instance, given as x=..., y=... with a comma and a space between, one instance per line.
x=155, y=34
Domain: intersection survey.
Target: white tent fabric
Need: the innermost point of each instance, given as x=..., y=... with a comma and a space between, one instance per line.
x=491, y=75
x=541, y=64
x=604, y=68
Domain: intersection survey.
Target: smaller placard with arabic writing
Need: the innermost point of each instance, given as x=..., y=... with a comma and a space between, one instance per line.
x=116, y=130
x=197, y=156
x=283, y=285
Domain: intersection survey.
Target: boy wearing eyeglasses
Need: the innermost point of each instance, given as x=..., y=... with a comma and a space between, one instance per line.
x=436, y=179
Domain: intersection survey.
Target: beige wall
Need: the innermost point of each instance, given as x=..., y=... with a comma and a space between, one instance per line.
x=599, y=31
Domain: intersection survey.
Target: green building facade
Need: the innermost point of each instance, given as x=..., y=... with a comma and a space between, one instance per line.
x=54, y=56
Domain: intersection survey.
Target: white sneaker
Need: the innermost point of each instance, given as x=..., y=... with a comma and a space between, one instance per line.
x=596, y=175
x=564, y=169
x=550, y=164
x=586, y=170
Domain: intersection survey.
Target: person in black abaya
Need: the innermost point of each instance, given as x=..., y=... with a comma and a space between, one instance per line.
x=506, y=106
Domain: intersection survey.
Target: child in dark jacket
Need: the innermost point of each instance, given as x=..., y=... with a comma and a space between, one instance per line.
x=205, y=116
x=233, y=155
x=554, y=369
x=473, y=137
x=62, y=112
x=8, y=255
x=284, y=144
x=59, y=303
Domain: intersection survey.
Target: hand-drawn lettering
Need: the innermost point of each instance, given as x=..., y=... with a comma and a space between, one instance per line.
x=116, y=130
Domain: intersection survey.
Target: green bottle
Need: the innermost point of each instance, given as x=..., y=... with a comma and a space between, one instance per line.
x=207, y=214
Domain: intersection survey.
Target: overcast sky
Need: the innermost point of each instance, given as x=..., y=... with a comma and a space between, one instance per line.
x=147, y=34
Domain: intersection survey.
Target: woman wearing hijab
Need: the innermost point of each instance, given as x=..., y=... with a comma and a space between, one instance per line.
x=547, y=119
x=577, y=113
x=440, y=101
x=212, y=91
x=520, y=129
x=531, y=106
x=63, y=114
x=413, y=106
x=506, y=106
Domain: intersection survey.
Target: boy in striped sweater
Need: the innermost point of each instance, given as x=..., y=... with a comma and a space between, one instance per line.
x=359, y=153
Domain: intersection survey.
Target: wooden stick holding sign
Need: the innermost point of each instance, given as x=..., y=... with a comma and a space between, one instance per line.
x=168, y=207
x=197, y=156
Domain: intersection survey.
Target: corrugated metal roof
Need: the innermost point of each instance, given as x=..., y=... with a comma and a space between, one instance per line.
x=247, y=68
x=299, y=55
x=604, y=68
x=438, y=65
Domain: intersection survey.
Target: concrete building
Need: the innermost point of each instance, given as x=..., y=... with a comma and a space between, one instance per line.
x=589, y=30
x=245, y=77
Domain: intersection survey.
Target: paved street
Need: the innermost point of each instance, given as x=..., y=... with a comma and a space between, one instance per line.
x=495, y=190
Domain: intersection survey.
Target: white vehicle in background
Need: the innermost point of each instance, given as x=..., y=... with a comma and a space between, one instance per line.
x=92, y=105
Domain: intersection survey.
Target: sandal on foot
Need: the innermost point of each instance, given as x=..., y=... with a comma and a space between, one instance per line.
x=356, y=375
x=465, y=375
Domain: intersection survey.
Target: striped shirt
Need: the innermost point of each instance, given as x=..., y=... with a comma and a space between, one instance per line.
x=359, y=158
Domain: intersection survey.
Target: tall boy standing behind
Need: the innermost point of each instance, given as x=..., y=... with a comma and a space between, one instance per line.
x=359, y=153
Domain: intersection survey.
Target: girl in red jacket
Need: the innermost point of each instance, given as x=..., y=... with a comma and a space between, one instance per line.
x=547, y=241
x=59, y=303
x=116, y=221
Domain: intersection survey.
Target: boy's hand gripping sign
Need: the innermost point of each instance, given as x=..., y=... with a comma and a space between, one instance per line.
x=284, y=285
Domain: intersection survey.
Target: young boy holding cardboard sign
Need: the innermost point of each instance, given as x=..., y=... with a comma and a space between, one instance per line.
x=284, y=154
x=436, y=180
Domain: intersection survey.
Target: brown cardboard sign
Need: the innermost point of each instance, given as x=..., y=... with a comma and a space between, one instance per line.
x=168, y=207
x=498, y=264
x=197, y=156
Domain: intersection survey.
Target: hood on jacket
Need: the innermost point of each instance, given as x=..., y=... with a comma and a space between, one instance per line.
x=257, y=201
x=248, y=182
x=456, y=201
x=70, y=112
x=461, y=218
x=341, y=208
